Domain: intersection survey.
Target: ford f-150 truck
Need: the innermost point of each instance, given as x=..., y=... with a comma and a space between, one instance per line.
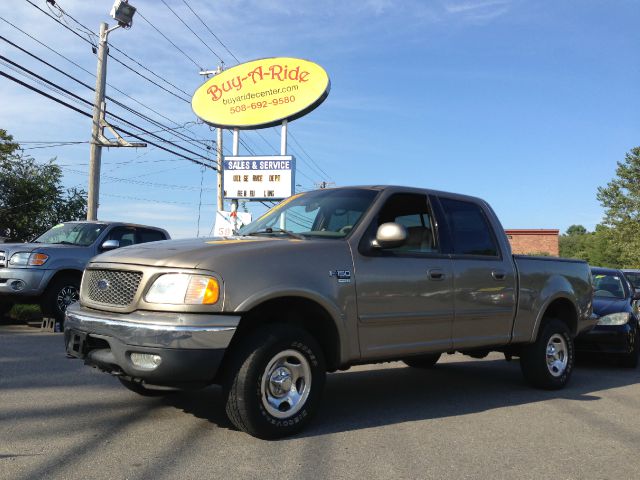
x=323, y=281
x=48, y=270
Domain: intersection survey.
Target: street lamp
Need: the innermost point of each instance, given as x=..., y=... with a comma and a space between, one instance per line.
x=123, y=13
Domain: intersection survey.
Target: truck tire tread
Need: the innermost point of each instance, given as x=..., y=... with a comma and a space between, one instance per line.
x=533, y=359
x=243, y=376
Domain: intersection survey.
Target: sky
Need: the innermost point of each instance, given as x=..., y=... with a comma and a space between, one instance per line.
x=527, y=104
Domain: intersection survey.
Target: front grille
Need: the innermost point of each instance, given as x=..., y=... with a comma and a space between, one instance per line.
x=111, y=287
x=3, y=259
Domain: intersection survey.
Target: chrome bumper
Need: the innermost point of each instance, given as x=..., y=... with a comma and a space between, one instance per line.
x=156, y=329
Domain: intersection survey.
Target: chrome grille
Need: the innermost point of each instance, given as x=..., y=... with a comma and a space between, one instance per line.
x=111, y=287
x=3, y=259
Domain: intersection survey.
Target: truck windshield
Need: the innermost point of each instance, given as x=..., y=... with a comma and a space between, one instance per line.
x=79, y=234
x=329, y=213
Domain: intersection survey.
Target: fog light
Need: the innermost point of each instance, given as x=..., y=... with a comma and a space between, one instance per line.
x=17, y=285
x=146, y=361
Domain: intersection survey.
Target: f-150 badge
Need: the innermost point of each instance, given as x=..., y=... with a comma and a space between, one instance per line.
x=343, y=276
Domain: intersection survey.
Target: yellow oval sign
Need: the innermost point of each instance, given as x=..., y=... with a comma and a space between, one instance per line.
x=261, y=93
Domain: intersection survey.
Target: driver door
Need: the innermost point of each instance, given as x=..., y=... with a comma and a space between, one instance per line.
x=404, y=294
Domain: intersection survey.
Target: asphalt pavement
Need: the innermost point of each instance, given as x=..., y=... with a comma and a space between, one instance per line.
x=464, y=419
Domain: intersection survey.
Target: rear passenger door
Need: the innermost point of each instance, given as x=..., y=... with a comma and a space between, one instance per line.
x=483, y=277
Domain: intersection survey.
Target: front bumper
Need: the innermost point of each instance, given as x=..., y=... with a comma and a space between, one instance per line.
x=191, y=346
x=612, y=339
x=32, y=281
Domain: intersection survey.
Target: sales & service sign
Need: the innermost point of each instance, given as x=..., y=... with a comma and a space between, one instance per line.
x=261, y=93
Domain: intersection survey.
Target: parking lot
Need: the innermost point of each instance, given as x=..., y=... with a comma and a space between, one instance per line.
x=465, y=419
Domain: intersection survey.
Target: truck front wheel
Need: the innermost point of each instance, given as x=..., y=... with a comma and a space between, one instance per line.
x=548, y=362
x=62, y=292
x=275, y=378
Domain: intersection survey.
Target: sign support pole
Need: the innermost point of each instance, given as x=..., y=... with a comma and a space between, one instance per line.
x=283, y=138
x=234, y=202
x=220, y=197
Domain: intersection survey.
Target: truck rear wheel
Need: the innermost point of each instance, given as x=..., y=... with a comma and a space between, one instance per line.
x=548, y=362
x=422, y=361
x=275, y=378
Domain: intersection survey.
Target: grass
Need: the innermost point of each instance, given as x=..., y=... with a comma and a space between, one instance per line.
x=25, y=313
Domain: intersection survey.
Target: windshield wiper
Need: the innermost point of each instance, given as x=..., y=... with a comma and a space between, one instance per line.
x=64, y=242
x=277, y=230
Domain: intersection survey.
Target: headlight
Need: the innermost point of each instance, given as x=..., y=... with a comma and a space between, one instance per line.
x=181, y=288
x=619, y=318
x=21, y=259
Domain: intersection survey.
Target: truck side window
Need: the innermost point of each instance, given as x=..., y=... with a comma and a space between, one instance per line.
x=146, y=235
x=413, y=212
x=125, y=235
x=469, y=227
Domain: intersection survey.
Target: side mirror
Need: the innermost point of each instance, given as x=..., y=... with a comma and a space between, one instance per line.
x=636, y=294
x=390, y=235
x=110, y=245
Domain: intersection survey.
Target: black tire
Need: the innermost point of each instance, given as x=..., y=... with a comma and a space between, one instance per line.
x=544, y=369
x=61, y=292
x=422, y=361
x=632, y=359
x=140, y=389
x=286, y=354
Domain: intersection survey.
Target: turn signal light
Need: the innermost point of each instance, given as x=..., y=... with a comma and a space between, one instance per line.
x=37, y=259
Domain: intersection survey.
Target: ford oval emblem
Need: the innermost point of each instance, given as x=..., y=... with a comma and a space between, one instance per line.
x=103, y=284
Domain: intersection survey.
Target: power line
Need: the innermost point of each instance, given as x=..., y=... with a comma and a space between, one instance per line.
x=214, y=35
x=61, y=102
x=191, y=30
x=80, y=99
x=89, y=32
x=169, y=40
x=171, y=130
x=115, y=58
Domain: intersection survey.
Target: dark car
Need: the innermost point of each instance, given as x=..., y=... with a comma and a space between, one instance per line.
x=617, y=330
x=634, y=277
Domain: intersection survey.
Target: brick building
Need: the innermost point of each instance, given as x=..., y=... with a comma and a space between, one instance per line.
x=534, y=241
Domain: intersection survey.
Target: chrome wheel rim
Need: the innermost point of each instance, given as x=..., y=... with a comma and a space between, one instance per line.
x=286, y=383
x=66, y=296
x=557, y=355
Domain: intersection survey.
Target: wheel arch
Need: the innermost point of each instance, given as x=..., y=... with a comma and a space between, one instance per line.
x=561, y=308
x=295, y=310
x=72, y=272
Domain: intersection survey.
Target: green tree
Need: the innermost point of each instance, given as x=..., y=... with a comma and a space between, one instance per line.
x=32, y=198
x=576, y=230
x=621, y=201
x=598, y=248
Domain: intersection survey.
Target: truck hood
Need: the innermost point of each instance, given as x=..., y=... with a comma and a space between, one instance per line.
x=203, y=253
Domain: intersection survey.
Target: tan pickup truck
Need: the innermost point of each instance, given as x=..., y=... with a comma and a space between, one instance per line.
x=323, y=281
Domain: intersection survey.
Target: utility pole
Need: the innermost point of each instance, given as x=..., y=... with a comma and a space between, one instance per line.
x=95, y=154
x=123, y=13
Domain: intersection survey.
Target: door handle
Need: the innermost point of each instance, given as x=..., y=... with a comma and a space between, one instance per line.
x=436, y=274
x=498, y=274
